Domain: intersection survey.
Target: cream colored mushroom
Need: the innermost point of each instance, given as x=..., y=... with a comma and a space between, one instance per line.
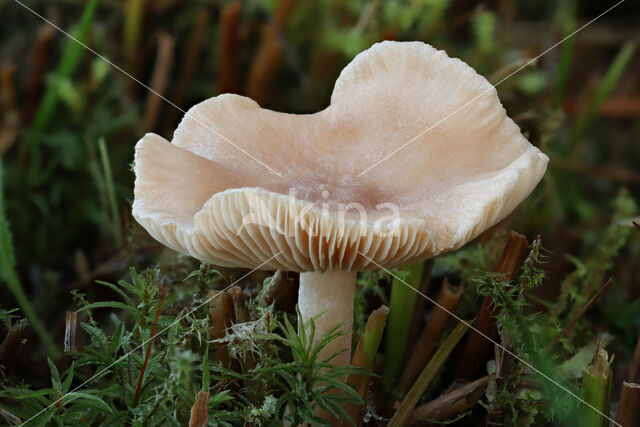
x=212, y=192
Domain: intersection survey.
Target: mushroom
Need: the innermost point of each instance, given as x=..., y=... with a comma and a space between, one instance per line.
x=415, y=156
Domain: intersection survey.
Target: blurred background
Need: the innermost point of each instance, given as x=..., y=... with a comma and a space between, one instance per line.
x=69, y=122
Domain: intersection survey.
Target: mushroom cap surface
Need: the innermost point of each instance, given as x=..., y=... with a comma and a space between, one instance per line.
x=206, y=195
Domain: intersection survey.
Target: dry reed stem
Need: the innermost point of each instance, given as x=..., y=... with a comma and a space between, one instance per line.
x=478, y=348
x=431, y=334
x=200, y=410
x=159, y=80
x=194, y=47
x=222, y=314
x=71, y=332
x=629, y=407
x=453, y=402
x=229, y=68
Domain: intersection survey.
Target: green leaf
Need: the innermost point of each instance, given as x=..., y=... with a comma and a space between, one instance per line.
x=88, y=400
x=112, y=304
x=55, y=376
x=116, y=289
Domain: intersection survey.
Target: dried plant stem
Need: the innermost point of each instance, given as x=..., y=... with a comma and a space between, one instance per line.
x=11, y=117
x=454, y=402
x=404, y=411
x=282, y=292
x=194, y=47
x=418, y=312
x=200, y=410
x=71, y=332
x=428, y=340
x=269, y=54
x=363, y=357
x=596, y=386
x=10, y=346
x=222, y=314
x=629, y=407
x=159, y=79
x=229, y=69
x=612, y=173
x=577, y=317
x=39, y=63
x=477, y=348
x=634, y=371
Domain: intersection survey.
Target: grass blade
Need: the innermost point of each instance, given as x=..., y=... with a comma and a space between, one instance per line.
x=69, y=62
x=9, y=275
x=111, y=194
x=402, y=303
x=606, y=86
x=428, y=374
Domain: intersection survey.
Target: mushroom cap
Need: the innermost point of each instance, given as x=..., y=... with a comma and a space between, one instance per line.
x=214, y=192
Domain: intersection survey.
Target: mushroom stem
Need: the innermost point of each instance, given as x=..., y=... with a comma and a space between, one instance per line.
x=330, y=295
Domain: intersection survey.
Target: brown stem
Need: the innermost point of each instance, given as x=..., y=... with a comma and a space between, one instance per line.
x=159, y=79
x=421, y=303
x=154, y=326
x=454, y=402
x=431, y=334
x=477, y=347
x=629, y=407
x=269, y=54
x=282, y=292
x=612, y=173
x=39, y=62
x=221, y=313
x=71, y=332
x=577, y=317
x=194, y=47
x=11, y=345
x=200, y=410
x=634, y=370
x=229, y=68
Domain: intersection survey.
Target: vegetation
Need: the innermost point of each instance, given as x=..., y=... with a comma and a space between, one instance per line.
x=101, y=325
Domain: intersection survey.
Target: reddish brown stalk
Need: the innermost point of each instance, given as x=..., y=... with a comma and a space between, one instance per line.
x=71, y=332
x=240, y=309
x=282, y=292
x=421, y=303
x=452, y=403
x=200, y=410
x=634, y=370
x=39, y=62
x=194, y=47
x=152, y=335
x=229, y=69
x=612, y=173
x=159, y=79
x=577, y=317
x=430, y=336
x=11, y=344
x=629, y=407
x=264, y=67
x=221, y=313
x=477, y=347
x=269, y=54
x=10, y=121
x=8, y=85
